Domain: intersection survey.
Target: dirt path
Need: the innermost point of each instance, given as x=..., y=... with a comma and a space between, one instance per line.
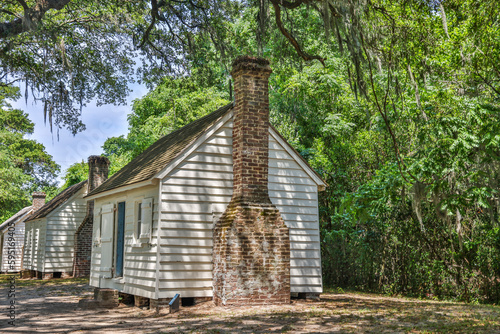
x=51, y=307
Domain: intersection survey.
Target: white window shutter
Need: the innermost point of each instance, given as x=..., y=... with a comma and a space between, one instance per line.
x=107, y=222
x=147, y=218
x=107, y=228
x=97, y=225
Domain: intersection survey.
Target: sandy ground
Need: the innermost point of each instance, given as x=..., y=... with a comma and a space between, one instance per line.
x=52, y=307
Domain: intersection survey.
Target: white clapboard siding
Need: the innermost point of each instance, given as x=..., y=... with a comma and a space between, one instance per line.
x=49, y=241
x=60, y=233
x=16, y=236
x=34, y=248
x=201, y=187
x=139, y=261
x=295, y=194
x=39, y=246
x=28, y=244
x=192, y=193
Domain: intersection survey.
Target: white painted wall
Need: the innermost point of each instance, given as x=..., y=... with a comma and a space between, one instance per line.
x=34, y=244
x=49, y=242
x=193, y=195
x=17, y=233
x=60, y=233
x=196, y=192
x=27, y=249
x=295, y=195
x=139, y=258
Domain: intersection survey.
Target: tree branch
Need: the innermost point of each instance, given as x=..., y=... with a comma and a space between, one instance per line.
x=286, y=33
x=24, y=4
x=32, y=17
x=9, y=13
x=488, y=83
x=383, y=112
x=154, y=15
x=417, y=93
x=292, y=5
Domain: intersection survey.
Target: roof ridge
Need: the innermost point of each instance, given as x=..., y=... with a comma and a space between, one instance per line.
x=161, y=152
x=57, y=201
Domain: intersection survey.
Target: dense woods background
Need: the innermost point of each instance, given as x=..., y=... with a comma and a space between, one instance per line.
x=395, y=103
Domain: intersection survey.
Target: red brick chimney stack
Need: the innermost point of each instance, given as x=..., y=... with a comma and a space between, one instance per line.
x=251, y=129
x=38, y=200
x=98, y=173
x=251, y=246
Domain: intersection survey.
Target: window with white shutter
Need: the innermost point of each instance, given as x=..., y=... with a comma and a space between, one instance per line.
x=146, y=219
x=138, y=219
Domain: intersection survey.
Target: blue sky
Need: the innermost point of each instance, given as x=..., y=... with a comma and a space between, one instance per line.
x=102, y=122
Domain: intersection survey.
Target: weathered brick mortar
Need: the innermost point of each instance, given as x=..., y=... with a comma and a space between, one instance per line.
x=38, y=200
x=251, y=248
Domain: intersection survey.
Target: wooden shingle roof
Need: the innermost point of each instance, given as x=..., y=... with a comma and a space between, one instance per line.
x=161, y=153
x=54, y=203
x=15, y=217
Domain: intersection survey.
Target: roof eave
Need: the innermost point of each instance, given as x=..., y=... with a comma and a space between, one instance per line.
x=36, y=213
x=22, y=217
x=123, y=188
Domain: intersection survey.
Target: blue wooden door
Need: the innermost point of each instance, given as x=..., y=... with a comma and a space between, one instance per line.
x=120, y=239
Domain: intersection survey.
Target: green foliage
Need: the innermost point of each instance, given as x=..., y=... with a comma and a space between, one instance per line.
x=79, y=53
x=24, y=165
x=75, y=173
x=12, y=179
x=402, y=125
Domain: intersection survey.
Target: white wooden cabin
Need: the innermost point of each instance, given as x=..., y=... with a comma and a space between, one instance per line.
x=153, y=219
x=12, y=241
x=50, y=233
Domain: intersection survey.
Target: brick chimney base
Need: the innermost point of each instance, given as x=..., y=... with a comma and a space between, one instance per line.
x=251, y=256
x=83, y=246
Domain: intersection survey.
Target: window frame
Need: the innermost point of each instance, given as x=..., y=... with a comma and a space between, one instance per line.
x=138, y=219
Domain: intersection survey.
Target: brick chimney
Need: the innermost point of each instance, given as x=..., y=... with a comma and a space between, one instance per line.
x=38, y=200
x=251, y=246
x=98, y=173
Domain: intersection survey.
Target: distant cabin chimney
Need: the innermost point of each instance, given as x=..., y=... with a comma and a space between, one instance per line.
x=251, y=246
x=98, y=173
x=38, y=200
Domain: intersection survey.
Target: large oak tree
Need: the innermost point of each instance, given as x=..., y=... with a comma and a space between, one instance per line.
x=69, y=52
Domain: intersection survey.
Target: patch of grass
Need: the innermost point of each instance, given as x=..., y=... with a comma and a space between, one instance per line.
x=287, y=328
x=5, y=279
x=317, y=313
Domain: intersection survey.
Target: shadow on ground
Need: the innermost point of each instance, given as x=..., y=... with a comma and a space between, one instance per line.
x=52, y=308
